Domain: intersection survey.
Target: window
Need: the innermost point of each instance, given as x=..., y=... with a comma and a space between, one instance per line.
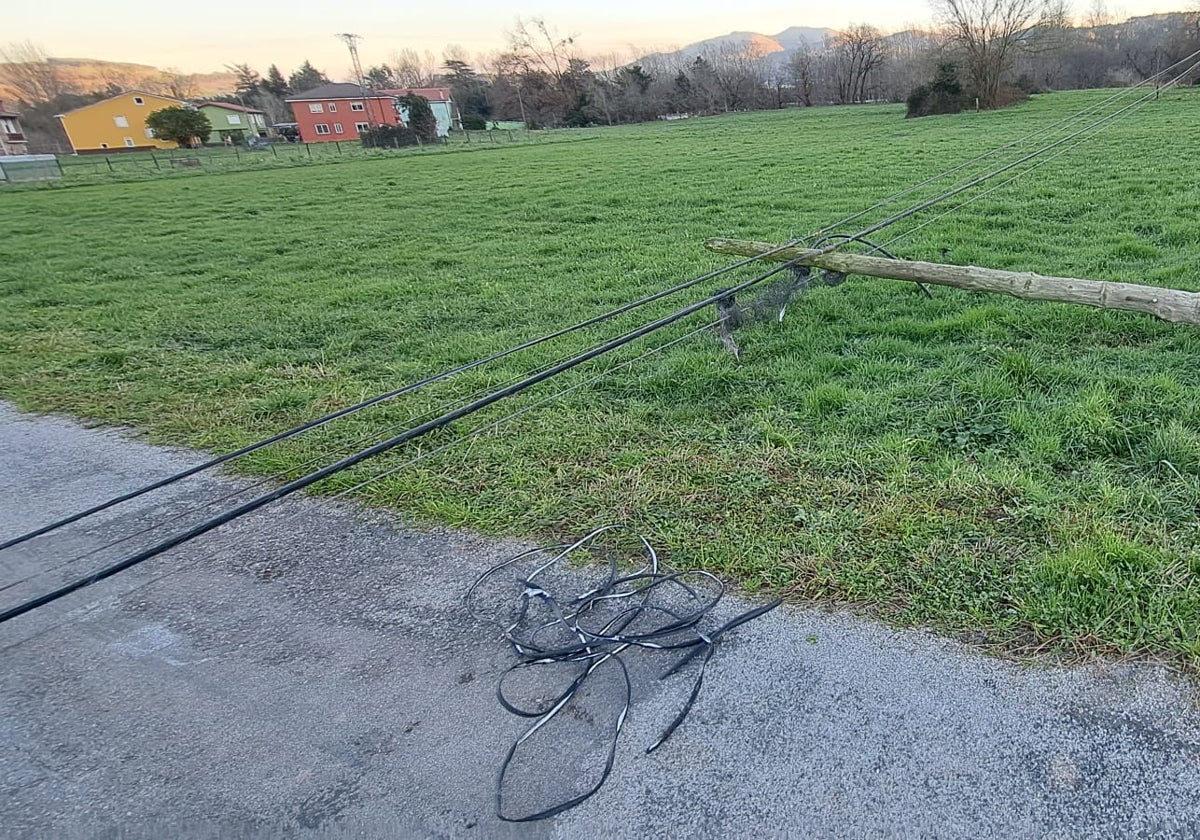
x=8, y=126
x=337, y=128
x=332, y=107
x=316, y=108
x=356, y=106
x=121, y=122
x=322, y=128
x=103, y=145
x=149, y=133
x=129, y=142
x=361, y=127
x=137, y=100
x=234, y=119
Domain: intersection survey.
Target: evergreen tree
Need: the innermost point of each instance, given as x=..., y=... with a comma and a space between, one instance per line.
x=247, y=79
x=306, y=77
x=469, y=89
x=381, y=77
x=634, y=76
x=418, y=117
x=275, y=84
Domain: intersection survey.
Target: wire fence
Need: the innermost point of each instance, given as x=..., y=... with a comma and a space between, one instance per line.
x=126, y=166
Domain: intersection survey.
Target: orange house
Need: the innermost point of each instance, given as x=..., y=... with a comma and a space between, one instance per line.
x=117, y=124
x=341, y=111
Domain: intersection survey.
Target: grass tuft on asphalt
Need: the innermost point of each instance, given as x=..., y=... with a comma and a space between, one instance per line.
x=1022, y=474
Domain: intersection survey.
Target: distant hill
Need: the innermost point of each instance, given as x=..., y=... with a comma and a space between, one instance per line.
x=85, y=75
x=761, y=45
x=796, y=36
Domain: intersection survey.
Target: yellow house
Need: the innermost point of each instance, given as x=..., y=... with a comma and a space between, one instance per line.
x=117, y=123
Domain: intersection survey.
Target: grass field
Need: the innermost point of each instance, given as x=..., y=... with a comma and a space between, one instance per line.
x=1020, y=474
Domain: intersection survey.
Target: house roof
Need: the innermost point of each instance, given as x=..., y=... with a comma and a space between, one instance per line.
x=433, y=94
x=229, y=106
x=337, y=90
x=8, y=109
x=131, y=92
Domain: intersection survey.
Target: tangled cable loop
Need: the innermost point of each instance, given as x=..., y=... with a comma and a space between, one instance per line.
x=647, y=609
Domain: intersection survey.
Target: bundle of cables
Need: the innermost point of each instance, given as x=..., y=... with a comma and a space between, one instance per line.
x=564, y=636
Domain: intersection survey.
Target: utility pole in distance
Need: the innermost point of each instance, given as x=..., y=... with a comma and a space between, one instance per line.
x=351, y=40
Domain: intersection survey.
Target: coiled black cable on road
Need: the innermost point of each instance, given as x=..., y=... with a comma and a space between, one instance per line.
x=548, y=623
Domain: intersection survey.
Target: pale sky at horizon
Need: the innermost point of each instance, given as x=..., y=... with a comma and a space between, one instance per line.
x=204, y=37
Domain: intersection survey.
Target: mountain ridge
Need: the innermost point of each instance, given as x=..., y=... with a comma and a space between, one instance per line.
x=87, y=75
x=786, y=41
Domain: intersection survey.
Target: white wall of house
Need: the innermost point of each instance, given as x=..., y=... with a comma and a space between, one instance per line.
x=442, y=112
x=445, y=117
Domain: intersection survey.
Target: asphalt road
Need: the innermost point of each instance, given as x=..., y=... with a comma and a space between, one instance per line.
x=310, y=672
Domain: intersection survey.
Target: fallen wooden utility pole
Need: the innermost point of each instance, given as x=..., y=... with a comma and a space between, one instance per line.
x=1165, y=304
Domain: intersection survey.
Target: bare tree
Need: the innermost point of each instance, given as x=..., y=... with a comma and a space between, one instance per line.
x=912, y=57
x=178, y=84
x=777, y=78
x=455, y=53
x=122, y=77
x=541, y=48
x=858, y=53
x=990, y=33
x=1097, y=15
x=734, y=73
x=617, y=85
x=30, y=73
x=413, y=69
x=804, y=77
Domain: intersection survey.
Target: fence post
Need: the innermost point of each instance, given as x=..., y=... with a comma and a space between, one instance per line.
x=338, y=144
x=274, y=151
x=308, y=148
x=237, y=154
x=157, y=165
x=492, y=135
x=109, y=162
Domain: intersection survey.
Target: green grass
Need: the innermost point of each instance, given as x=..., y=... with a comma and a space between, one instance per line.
x=1020, y=473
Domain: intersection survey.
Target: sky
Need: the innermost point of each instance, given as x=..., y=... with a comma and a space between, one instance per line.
x=205, y=37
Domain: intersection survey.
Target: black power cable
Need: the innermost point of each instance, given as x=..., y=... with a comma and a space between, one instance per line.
x=320, y=421
x=383, y=446
x=648, y=609
x=295, y=516
x=448, y=417
x=911, y=211
x=376, y=400
x=284, y=474
x=1123, y=93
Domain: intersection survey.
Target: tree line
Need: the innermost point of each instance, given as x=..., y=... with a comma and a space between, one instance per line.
x=981, y=53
